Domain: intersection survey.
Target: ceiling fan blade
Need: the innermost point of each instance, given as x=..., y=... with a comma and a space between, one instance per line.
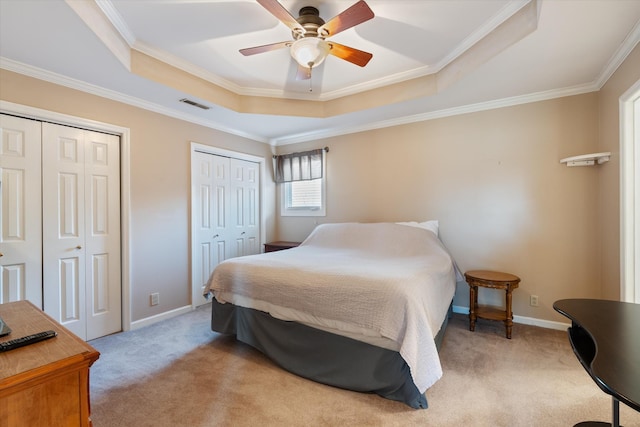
x=356, y=14
x=355, y=56
x=282, y=14
x=265, y=48
x=304, y=73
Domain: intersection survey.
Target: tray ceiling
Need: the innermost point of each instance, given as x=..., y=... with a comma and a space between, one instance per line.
x=430, y=58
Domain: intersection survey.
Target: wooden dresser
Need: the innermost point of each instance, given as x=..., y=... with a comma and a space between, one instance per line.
x=46, y=383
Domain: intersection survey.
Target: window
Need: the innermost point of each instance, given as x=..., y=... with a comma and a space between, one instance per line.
x=304, y=198
x=303, y=183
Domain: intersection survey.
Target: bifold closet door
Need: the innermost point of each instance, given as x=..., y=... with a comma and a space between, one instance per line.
x=20, y=210
x=81, y=229
x=226, y=214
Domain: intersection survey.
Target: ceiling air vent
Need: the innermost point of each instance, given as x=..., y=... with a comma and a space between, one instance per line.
x=194, y=103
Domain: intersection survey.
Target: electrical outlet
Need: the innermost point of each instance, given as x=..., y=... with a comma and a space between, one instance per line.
x=155, y=298
x=534, y=301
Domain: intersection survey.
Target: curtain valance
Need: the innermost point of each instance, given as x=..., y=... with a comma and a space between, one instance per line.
x=303, y=166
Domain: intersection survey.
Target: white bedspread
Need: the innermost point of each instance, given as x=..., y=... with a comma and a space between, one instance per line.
x=381, y=280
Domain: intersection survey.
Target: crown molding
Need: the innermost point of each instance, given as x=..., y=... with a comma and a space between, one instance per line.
x=55, y=78
x=213, y=78
x=186, y=66
x=456, y=111
x=93, y=16
x=619, y=55
x=117, y=21
x=505, y=13
x=48, y=76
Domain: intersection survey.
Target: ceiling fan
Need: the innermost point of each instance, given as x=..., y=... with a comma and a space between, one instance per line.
x=309, y=47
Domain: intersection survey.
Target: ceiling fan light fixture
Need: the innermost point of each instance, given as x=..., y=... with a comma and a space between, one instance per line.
x=310, y=52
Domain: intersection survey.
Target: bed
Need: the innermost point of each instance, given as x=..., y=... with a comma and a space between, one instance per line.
x=357, y=306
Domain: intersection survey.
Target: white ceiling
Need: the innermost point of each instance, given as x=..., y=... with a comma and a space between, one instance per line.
x=575, y=47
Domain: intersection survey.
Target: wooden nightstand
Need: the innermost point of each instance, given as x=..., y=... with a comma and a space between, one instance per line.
x=279, y=246
x=493, y=280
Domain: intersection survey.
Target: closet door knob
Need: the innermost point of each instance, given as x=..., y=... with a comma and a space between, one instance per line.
x=1, y=254
x=242, y=233
x=78, y=247
x=217, y=235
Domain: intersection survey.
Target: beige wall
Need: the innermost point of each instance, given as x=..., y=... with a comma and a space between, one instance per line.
x=160, y=187
x=494, y=181
x=609, y=177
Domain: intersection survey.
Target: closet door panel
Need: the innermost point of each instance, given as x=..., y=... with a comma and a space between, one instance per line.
x=63, y=201
x=210, y=203
x=68, y=213
x=202, y=194
x=245, y=201
x=69, y=282
x=20, y=210
x=102, y=237
x=13, y=283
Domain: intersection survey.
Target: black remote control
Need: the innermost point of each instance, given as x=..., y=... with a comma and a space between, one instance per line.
x=29, y=339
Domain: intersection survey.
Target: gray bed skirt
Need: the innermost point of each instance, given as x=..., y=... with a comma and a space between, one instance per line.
x=321, y=356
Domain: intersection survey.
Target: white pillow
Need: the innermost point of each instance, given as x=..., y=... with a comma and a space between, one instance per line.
x=432, y=225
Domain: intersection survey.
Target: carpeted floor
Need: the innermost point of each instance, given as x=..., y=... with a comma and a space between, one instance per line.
x=179, y=373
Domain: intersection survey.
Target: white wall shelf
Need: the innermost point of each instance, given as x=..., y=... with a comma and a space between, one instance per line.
x=587, y=159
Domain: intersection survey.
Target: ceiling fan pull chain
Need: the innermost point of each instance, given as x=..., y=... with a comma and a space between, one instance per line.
x=310, y=76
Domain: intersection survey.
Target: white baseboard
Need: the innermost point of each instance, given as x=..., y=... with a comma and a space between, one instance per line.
x=549, y=324
x=158, y=317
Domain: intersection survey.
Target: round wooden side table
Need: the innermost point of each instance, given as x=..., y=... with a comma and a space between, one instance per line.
x=493, y=280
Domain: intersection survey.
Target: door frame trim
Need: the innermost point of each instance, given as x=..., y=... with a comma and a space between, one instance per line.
x=629, y=200
x=125, y=183
x=208, y=149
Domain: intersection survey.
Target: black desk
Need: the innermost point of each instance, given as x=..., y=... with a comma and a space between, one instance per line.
x=605, y=336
